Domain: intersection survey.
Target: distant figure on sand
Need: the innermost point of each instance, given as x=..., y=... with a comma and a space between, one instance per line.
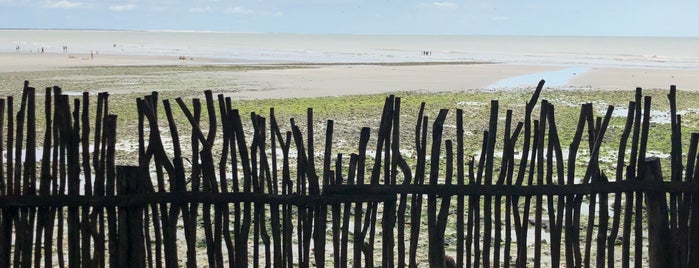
x=42, y=50
x=92, y=55
x=17, y=48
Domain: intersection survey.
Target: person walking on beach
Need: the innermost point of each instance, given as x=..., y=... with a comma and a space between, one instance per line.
x=92, y=55
x=17, y=48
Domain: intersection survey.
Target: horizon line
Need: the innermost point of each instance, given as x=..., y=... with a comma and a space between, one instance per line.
x=337, y=33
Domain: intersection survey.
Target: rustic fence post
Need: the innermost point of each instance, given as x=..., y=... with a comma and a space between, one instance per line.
x=131, y=237
x=658, y=232
x=128, y=238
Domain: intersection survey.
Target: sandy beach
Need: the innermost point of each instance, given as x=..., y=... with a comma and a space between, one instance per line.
x=23, y=62
x=336, y=80
x=308, y=80
x=630, y=78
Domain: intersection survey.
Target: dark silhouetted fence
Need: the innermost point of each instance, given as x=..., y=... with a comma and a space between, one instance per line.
x=250, y=197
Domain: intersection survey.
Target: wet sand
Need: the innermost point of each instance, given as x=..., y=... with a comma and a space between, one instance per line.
x=310, y=80
x=630, y=78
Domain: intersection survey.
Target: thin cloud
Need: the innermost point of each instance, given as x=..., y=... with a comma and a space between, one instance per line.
x=64, y=4
x=199, y=9
x=238, y=10
x=445, y=4
x=125, y=7
x=440, y=5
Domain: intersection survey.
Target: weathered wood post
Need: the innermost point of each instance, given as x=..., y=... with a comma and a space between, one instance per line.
x=131, y=240
x=658, y=232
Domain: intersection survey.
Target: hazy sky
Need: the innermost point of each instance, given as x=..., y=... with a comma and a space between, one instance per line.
x=496, y=17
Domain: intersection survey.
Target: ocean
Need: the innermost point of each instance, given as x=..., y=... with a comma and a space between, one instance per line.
x=643, y=52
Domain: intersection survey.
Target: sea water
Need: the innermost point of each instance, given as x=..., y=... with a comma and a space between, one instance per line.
x=644, y=52
x=556, y=78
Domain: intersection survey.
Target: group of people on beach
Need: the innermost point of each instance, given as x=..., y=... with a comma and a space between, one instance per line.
x=427, y=53
x=40, y=50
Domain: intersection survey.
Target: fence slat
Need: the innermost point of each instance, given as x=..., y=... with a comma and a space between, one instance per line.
x=659, y=237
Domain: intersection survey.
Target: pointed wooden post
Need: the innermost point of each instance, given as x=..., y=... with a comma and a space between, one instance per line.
x=658, y=232
x=131, y=237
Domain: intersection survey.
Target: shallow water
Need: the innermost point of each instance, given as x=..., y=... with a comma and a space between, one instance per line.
x=555, y=78
x=655, y=52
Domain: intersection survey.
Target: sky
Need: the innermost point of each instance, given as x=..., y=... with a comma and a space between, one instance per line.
x=459, y=17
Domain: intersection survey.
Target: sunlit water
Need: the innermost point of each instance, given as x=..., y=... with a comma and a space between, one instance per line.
x=555, y=78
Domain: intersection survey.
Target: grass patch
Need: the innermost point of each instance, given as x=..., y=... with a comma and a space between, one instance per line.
x=351, y=113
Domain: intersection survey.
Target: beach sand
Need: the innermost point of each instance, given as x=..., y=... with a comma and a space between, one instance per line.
x=310, y=80
x=338, y=80
x=630, y=78
x=24, y=62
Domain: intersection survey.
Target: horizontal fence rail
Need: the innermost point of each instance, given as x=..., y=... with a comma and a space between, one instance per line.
x=235, y=190
x=347, y=193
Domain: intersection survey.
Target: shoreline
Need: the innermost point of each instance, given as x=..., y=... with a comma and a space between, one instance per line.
x=36, y=61
x=301, y=79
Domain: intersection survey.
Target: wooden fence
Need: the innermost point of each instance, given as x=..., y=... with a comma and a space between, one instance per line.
x=250, y=197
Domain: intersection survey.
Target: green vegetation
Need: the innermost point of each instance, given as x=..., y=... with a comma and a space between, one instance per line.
x=351, y=113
